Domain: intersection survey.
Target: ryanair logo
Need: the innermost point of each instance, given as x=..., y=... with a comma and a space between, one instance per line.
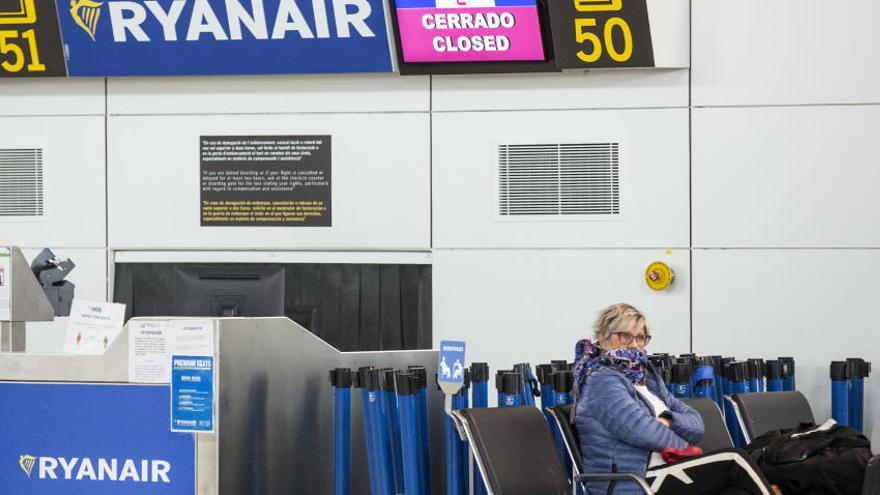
x=195, y=19
x=85, y=14
x=78, y=469
x=27, y=463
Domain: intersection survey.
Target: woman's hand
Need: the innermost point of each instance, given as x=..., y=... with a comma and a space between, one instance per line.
x=665, y=422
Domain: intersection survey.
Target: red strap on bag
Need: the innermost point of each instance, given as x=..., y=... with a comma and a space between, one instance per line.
x=675, y=455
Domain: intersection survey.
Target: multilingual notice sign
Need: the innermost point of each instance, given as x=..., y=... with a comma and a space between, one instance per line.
x=265, y=181
x=469, y=30
x=83, y=439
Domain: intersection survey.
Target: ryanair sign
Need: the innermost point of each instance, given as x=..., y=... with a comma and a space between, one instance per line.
x=81, y=439
x=202, y=37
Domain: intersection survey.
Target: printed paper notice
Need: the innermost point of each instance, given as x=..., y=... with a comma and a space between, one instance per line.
x=149, y=349
x=192, y=337
x=4, y=283
x=93, y=326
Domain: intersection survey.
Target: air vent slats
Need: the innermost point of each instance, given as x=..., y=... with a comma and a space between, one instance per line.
x=559, y=179
x=21, y=182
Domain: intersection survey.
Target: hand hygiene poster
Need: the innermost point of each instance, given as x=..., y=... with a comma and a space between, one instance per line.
x=469, y=30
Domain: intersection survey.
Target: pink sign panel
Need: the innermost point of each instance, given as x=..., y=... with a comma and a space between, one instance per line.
x=469, y=30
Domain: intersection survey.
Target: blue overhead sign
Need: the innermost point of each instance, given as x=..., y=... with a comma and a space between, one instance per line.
x=216, y=37
x=79, y=439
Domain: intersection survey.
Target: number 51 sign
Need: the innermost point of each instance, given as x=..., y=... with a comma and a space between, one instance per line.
x=620, y=33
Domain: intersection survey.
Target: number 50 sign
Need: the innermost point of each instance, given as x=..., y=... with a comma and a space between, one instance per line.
x=620, y=33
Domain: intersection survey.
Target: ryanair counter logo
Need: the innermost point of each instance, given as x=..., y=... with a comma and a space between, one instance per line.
x=27, y=463
x=86, y=13
x=202, y=37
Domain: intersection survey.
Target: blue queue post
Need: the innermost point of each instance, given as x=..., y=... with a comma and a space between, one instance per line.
x=388, y=379
x=340, y=380
x=510, y=389
x=381, y=423
x=528, y=386
x=755, y=374
x=738, y=377
x=407, y=389
x=559, y=365
x=788, y=379
x=716, y=368
x=840, y=392
x=773, y=372
x=689, y=359
x=479, y=398
x=545, y=379
x=499, y=385
x=681, y=380
x=858, y=370
x=421, y=392
x=453, y=457
x=459, y=402
x=563, y=383
x=369, y=431
x=705, y=379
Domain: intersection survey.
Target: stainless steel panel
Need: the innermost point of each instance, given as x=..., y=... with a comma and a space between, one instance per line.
x=276, y=409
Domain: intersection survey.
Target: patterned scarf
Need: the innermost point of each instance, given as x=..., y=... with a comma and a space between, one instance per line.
x=589, y=357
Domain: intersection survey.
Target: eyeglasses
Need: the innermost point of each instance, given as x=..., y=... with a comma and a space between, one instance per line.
x=626, y=338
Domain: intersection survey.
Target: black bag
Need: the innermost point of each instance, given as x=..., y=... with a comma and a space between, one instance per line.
x=827, y=462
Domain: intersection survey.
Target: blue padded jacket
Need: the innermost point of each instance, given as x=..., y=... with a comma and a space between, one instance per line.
x=618, y=430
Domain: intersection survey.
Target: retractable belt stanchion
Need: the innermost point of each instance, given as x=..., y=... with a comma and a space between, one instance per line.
x=559, y=365
x=754, y=375
x=774, y=375
x=459, y=402
x=388, y=379
x=736, y=377
x=499, y=385
x=381, y=423
x=681, y=380
x=839, y=393
x=407, y=388
x=528, y=385
x=690, y=359
x=510, y=389
x=705, y=379
x=340, y=379
x=563, y=383
x=788, y=380
x=545, y=378
x=369, y=431
x=716, y=369
x=421, y=376
x=479, y=398
x=857, y=370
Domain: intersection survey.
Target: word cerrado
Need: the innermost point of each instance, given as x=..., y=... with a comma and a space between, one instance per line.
x=467, y=43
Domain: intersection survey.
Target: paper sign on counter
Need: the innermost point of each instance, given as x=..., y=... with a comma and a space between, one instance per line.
x=149, y=348
x=93, y=326
x=4, y=283
x=192, y=337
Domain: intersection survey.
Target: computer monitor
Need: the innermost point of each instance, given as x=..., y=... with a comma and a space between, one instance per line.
x=214, y=291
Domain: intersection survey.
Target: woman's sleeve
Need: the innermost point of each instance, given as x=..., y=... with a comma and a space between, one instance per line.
x=611, y=404
x=686, y=422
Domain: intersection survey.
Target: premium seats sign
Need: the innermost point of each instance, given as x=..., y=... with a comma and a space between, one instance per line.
x=469, y=30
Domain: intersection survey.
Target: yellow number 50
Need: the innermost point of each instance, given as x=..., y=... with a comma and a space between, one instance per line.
x=581, y=35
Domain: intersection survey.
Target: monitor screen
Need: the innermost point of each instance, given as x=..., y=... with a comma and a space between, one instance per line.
x=228, y=291
x=469, y=30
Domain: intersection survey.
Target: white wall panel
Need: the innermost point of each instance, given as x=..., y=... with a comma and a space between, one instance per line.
x=90, y=278
x=53, y=96
x=815, y=305
x=380, y=182
x=786, y=177
x=566, y=91
x=754, y=52
x=73, y=181
x=268, y=94
x=533, y=305
x=653, y=178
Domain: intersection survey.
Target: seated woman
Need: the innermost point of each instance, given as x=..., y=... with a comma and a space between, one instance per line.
x=625, y=417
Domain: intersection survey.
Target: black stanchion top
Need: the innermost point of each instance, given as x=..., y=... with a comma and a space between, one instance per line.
x=858, y=368
x=773, y=369
x=544, y=373
x=787, y=366
x=466, y=385
x=405, y=384
x=373, y=382
x=737, y=371
x=511, y=381
x=421, y=375
x=758, y=366
x=559, y=365
x=362, y=377
x=340, y=378
x=681, y=373
x=563, y=382
x=499, y=379
x=839, y=371
x=480, y=372
x=387, y=379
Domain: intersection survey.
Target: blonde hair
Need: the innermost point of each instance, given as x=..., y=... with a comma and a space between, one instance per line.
x=619, y=317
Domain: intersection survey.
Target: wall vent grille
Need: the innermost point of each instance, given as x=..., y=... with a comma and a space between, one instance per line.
x=21, y=182
x=558, y=179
